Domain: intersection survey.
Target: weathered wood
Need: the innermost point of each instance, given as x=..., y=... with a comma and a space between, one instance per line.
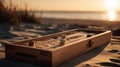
x=55, y=55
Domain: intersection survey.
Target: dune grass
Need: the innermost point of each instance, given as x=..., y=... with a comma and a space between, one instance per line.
x=9, y=14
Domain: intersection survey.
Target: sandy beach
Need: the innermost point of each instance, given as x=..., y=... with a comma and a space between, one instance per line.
x=107, y=55
x=22, y=22
x=80, y=21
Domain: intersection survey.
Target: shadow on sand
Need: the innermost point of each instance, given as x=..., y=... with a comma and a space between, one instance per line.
x=12, y=63
x=4, y=31
x=113, y=62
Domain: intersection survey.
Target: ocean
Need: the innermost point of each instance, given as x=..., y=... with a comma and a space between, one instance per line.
x=78, y=15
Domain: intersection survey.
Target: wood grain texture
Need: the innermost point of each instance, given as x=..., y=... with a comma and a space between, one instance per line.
x=56, y=56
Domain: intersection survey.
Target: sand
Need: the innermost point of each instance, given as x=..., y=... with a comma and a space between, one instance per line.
x=104, y=56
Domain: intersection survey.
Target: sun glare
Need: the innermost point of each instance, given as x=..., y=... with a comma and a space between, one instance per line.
x=110, y=4
x=111, y=15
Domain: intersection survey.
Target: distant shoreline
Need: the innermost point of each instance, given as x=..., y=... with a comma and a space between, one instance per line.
x=101, y=16
x=67, y=11
x=79, y=21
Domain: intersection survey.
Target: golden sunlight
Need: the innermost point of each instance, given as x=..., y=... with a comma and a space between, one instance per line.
x=111, y=15
x=111, y=4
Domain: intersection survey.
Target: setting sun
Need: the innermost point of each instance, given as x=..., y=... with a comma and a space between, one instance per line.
x=111, y=15
x=111, y=4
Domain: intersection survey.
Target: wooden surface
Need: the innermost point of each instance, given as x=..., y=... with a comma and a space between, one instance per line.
x=74, y=49
x=58, y=55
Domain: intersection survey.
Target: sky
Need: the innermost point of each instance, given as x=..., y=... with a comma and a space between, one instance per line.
x=64, y=5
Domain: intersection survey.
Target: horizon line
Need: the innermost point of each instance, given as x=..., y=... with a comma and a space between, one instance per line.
x=62, y=11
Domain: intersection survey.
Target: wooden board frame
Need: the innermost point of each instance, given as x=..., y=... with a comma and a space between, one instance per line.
x=56, y=56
